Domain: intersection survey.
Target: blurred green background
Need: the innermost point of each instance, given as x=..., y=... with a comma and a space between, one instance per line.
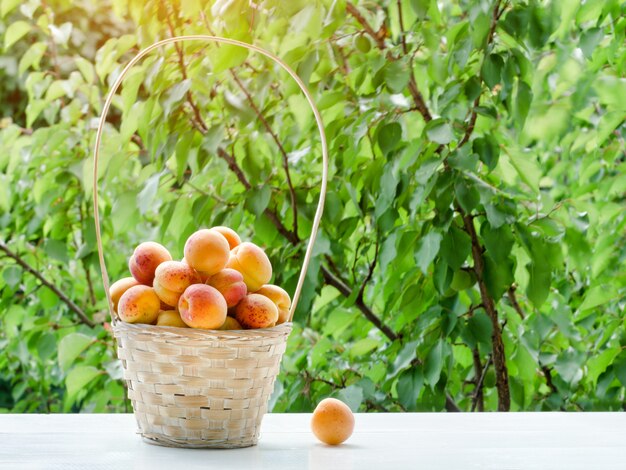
x=472, y=253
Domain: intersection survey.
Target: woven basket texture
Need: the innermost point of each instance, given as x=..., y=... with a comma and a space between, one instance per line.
x=200, y=388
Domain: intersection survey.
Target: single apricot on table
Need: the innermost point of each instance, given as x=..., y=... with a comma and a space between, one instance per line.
x=332, y=422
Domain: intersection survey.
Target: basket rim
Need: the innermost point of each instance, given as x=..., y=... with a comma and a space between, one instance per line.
x=178, y=332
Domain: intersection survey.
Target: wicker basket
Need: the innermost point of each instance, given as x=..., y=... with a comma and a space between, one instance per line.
x=202, y=388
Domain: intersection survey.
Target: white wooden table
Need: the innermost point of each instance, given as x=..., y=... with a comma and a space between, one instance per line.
x=381, y=441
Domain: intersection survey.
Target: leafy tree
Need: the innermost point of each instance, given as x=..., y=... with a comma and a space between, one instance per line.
x=472, y=250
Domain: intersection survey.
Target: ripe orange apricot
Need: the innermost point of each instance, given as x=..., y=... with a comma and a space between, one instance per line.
x=230, y=284
x=281, y=299
x=332, y=422
x=145, y=259
x=139, y=304
x=256, y=311
x=207, y=251
x=170, y=318
x=230, y=235
x=119, y=287
x=202, y=306
x=171, y=279
x=231, y=324
x=253, y=263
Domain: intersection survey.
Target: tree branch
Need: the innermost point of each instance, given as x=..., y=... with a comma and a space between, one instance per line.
x=285, y=158
x=420, y=104
x=378, y=38
x=64, y=298
x=346, y=291
x=451, y=406
x=477, y=399
x=499, y=359
x=514, y=302
x=497, y=12
x=197, y=117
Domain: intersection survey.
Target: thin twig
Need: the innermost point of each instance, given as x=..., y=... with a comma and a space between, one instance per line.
x=27, y=267
x=346, y=291
x=514, y=302
x=478, y=391
x=490, y=35
x=285, y=158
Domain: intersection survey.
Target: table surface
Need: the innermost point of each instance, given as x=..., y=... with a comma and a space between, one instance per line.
x=381, y=441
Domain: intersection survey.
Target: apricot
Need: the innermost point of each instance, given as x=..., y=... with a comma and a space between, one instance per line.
x=332, y=422
x=139, y=304
x=202, y=306
x=119, y=287
x=230, y=284
x=231, y=324
x=171, y=279
x=256, y=311
x=229, y=234
x=207, y=251
x=170, y=318
x=145, y=259
x=281, y=299
x=253, y=263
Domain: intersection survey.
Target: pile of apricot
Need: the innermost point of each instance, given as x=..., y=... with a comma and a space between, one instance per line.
x=220, y=284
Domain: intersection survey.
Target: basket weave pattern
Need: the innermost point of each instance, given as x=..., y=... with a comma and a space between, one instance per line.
x=195, y=388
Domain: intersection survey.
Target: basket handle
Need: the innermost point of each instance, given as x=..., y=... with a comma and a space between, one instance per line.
x=318, y=120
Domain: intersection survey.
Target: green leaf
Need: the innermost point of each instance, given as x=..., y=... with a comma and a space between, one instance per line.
x=539, y=283
x=46, y=345
x=79, y=377
x=439, y=131
x=363, y=347
x=70, y=347
x=86, y=69
x=492, y=70
x=352, y=396
x=498, y=276
x=455, y=247
x=466, y=194
x=16, y=31
x=481, y=327
x=56, y=249
x=409, y=387
x=258, y=199
x=599, y=295
x=389, y=137
x=434, y=364
x=6, y=6
x=568, y=365
x=427, y=249
x=498, y=241
x=597, y=364
x=12, y=275
x=396, y=76
x=488, y=150
x=523, y=100
x=405, y=356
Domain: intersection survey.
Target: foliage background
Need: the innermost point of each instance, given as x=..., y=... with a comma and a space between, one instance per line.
x=472, y=254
